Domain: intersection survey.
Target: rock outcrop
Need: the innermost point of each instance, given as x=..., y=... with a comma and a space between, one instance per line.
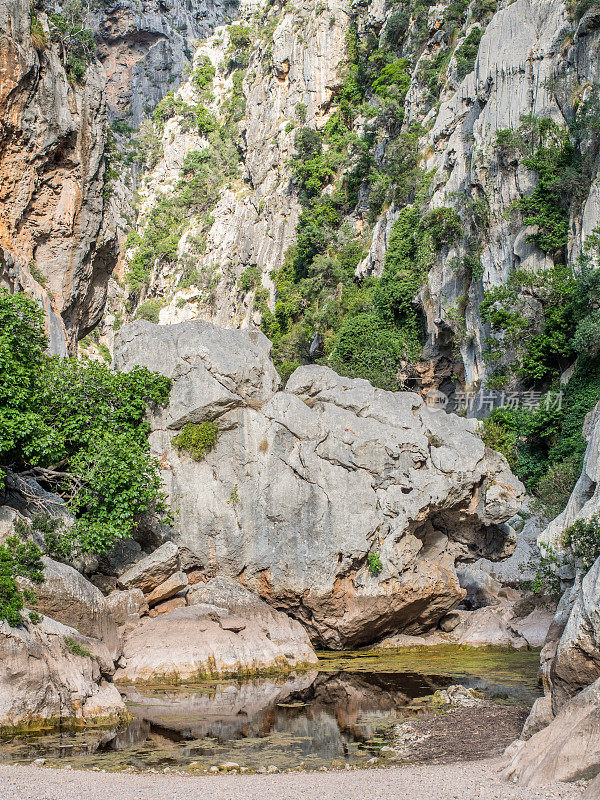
x=56, y=239
x=144, y=48
x=567, y=750
x=225, y=630
x=67, y=597
x=566, y=722
x=52, y=675
x=306, y=485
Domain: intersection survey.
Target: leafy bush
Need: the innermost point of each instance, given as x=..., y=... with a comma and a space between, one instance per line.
x=583, y=537
x=18, y=559
x=546, y=580
x=36, y=30
x=204, y=74
x=249, y=279
x=500, y=438
x=555, y=486
x=77, y=427
x=76, y=41
x=75, y=648
x=375, y=565
x=150, y=309
x=443, y=225
x=467, y=53
x=587, y=335
x=197, y=440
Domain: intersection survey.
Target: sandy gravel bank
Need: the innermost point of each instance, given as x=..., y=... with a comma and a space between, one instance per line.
x=477, y=780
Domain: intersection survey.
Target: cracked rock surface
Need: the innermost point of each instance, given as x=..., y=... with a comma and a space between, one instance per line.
x=306, y=483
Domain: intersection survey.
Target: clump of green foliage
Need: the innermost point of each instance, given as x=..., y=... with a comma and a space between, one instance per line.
x=375, y=565
x=78, y=428
x=75, y=648
x=76, y=41
x=197, y=439
x=544, y=147
x=204, y=74
x=466, y=54
x=249, y=279
x=546, y=578
x=36, y=30
x=580, y=547
x=583, y=538
x=150, y=309
x=18, y=559
x=238, y=52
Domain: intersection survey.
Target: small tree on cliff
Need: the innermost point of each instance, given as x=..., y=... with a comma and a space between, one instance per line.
x=78, y=428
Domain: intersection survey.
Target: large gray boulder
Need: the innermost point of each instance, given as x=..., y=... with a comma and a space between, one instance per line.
x=152, y=570
x=306, y=484
x=66, y=596
x=576, y=663
x=51, y=674
x=225, y=630
x=566, y=750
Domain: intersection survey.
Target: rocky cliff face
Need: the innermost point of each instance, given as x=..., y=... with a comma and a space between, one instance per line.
x=344, y=505
x=472, y=74
x=145, y=47
x=560, y=738
x=56, y=239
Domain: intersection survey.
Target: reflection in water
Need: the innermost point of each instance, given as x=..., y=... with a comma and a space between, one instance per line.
x=315, y=717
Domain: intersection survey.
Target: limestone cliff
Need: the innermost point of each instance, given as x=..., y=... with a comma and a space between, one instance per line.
x=342, y=504
x=473, y=73
x=56, y=240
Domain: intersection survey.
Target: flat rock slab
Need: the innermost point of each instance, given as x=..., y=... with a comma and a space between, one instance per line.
x=152, y=570
x=168, y=588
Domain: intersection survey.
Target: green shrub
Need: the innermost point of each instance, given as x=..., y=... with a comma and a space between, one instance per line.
x=77, y=46
x=249, y=279
x=546, y=580
x=240, y=36
x=375, y=565
x=500, y=438
x=75, y=648
x=555, y=486
x=583, y=537
x=18, y=559
x=204, y=74
x=443, y=225
x=78, y=427
x=587, y=335
x=197, y=439
x=38, y=35
x=466, y=54
x=150, y=309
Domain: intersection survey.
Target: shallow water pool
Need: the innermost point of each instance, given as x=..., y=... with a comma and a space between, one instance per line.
x=343, y=712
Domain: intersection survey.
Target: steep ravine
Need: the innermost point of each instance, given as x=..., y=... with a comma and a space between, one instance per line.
x=268, y=203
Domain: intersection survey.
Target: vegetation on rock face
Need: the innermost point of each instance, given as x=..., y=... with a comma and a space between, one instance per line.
x=197, y=439
x=323, y=312
x=78, y=428
x=579, y=547
x=583, y=538
x=69, y=27
x=196, y=192
x=548, y=319
x=18, y=559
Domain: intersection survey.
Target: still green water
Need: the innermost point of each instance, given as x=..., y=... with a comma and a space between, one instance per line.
x=342, y=712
